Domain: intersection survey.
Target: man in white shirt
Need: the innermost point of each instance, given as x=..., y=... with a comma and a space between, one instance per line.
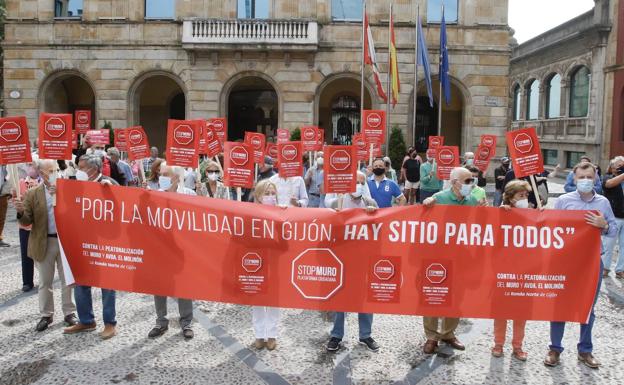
x=290, y=191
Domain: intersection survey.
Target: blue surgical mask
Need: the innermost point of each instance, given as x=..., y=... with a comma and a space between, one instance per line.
x=164, y=182
x=585, y=185
x=466, y=190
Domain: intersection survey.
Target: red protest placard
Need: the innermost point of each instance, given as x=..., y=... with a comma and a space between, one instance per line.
x=483, y=156
x=55, y=136
x=74, y=139
x=447, y=158
x=309, y=138
x=120, y=139
x=257, y=141
x=98, y=137
x=290, y=159
x=203, y=144
x=376, y=149
x=271, y=150
x=182, y=143
x=238, y=165
x=219, y=126
x=82, y=121
x=435, y=142
x=340, y=171
x=526, y=155
x=283, y=135
x=213, y=143
x=14, y=142
x=138, y=144
x=360, y=145
x=488, y=141
x=320, y=139
x=374, y=126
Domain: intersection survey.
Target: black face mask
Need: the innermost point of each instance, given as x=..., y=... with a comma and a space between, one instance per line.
x=620, y=170
x=379, y=171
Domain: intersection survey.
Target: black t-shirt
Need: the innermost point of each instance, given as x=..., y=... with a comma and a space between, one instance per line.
x=412, y=170
x=615, y=195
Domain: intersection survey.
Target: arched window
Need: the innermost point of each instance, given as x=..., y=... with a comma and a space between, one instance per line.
x=532, y=92
x=579, y=92
x=517, y=102
x=553, y=95
x=345, y=115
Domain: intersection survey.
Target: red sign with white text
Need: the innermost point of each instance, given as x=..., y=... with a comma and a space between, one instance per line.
x=488, y=141
x=239, y=165
x=283, y=135
x=309, y=138
x=14, y=142
x=483, y=156
x=212, y=142
x=524, y=148
x=290, y=159
x=257, y=141
x=435, y=142
x=98, y=137
x=202, y=147
x=468, y=262
x=82, y=121
x=447, y=158
x=219, y=126
x=182, y=143
x=55, y=136
x=340, y=169
x=138, y=144
x=360, y=146
x=271, y=150
x=320, y=141
x=374, y=126
x=121, y=143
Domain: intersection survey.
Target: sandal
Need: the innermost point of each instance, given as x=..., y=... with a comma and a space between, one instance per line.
x=497, y=351
x=520, y=355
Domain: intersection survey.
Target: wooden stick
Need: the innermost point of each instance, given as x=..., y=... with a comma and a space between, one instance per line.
x=340, y=201
x=256, y=173
x=239, y=194
x=310, y=159
x=538, y=199
x=14, y=179
x=370, y=154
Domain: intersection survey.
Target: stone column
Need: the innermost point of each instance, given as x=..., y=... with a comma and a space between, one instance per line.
x=565, y=98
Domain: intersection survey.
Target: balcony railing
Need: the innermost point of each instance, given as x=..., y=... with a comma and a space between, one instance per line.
x=560, y=128
x=250, y=31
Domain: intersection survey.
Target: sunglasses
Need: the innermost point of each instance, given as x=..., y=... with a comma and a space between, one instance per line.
x=212, y=171
x=469, y=181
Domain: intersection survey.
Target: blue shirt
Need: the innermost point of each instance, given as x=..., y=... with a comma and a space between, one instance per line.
x=570, y=185
x=385, y=192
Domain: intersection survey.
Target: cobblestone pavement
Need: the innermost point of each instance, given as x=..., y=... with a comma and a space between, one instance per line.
x=221, y=352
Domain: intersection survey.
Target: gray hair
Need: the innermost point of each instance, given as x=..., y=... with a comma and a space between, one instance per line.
x=41, y=163
x=113, y=151
x=457, y=172
x=92, y=160
x=615, y=160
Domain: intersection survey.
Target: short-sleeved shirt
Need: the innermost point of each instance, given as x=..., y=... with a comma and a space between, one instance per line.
x=478, y=193
x=448, y=197
x=384, y=193
x=412, y=170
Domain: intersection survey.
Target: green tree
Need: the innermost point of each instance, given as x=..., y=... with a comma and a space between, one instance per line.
x=396, y=147
x=295, y=135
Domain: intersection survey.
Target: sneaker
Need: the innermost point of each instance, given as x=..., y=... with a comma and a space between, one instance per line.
x=370, y=344
x=333, y=344
x=79, y=328
x=109, y=332
x=157, y=331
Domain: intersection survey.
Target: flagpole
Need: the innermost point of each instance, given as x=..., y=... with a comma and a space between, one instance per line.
x=363, y=64
x=389, y=100
x=416, y=72
x=440, y=81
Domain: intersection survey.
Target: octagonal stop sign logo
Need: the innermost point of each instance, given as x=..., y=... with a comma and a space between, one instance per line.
x=289, y=152
x=135, y=137
x=523, y=143
x=252, y=262
x=484, y=153
x=340, y=160
x=436, y=273
x=446, y=156
x=309, y=133
x=183, y=134
x=384, y=270
x=373, y=120
x=55, y=127
x=239, y=155
x=317, y=273
x=10, y=131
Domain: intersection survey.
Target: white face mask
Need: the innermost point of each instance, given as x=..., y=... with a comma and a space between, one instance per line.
x=213, y=176
x=522, y=204
x=164, y=182
x=82, y=176
x=270, y=200
x=52, y=178
x=469, y=162
x=319, y=162
x=466, y=190
x=585, y=185
x=359, y=190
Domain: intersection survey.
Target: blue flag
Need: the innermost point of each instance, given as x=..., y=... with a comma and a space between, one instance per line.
x=444, y=63
x=423, y=59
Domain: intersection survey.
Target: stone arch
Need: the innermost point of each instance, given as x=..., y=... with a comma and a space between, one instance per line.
x=67, y=90
x=572, y=68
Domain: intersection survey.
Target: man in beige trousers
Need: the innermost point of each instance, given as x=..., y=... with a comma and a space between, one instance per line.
x=37, y=209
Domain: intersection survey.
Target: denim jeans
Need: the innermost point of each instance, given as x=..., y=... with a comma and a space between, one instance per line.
x=84, y=305
x=365, y=322
x=498, y=198
x=585, y=339
x=424, y=194
x=609, y=245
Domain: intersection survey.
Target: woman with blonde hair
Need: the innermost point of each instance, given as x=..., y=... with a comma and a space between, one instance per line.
x=213, y=188
x=516, y=196
x=152, y=180
x=265, y=319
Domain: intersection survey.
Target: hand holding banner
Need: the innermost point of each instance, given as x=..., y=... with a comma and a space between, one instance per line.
x=182, y=143
x=525, y=152
x=340, y=173
x=447, y=158
x=290, y=159
x=238, y=165
x=14, y=142
x=55, y=136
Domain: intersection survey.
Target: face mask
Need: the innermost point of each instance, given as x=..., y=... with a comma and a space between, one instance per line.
x=379, y=171
x=164, y=182
x=469, y=162
x=359, y=191
x=620, y=170
x=81, y=175
x=52, y=178
x=319, y=162
x=270, y=200
x=584, y=185
x=466, y=190
x=213, y=176
x=522, y=204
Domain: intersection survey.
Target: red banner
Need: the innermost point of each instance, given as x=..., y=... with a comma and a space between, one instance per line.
x=340, y=169
x=98, y=137
x=257, y=141
x=271, y=150
x=447, y=158
x=14, y=142
x=182, y=143
x=488, y=141
x=524, y=148
x=290, y=159
x=239, y=165
x=138, y=144
x=435, y=142
x=82, y=121
x=445, y=261
x=483, y=156
x=212, y=141
x=376, y=149
x=283, y=135
x=219, y=126
x=309, y=138
x=121, y=143
x=374, y=126
x=360, y=145
x=55, y=136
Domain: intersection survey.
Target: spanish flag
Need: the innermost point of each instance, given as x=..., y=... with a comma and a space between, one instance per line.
x=394, y=64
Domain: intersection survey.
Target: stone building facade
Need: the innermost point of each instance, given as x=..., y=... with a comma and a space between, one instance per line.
x=562, y=83
x=285, y=63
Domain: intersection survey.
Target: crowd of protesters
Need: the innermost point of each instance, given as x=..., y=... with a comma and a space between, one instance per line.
x=378, y=186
